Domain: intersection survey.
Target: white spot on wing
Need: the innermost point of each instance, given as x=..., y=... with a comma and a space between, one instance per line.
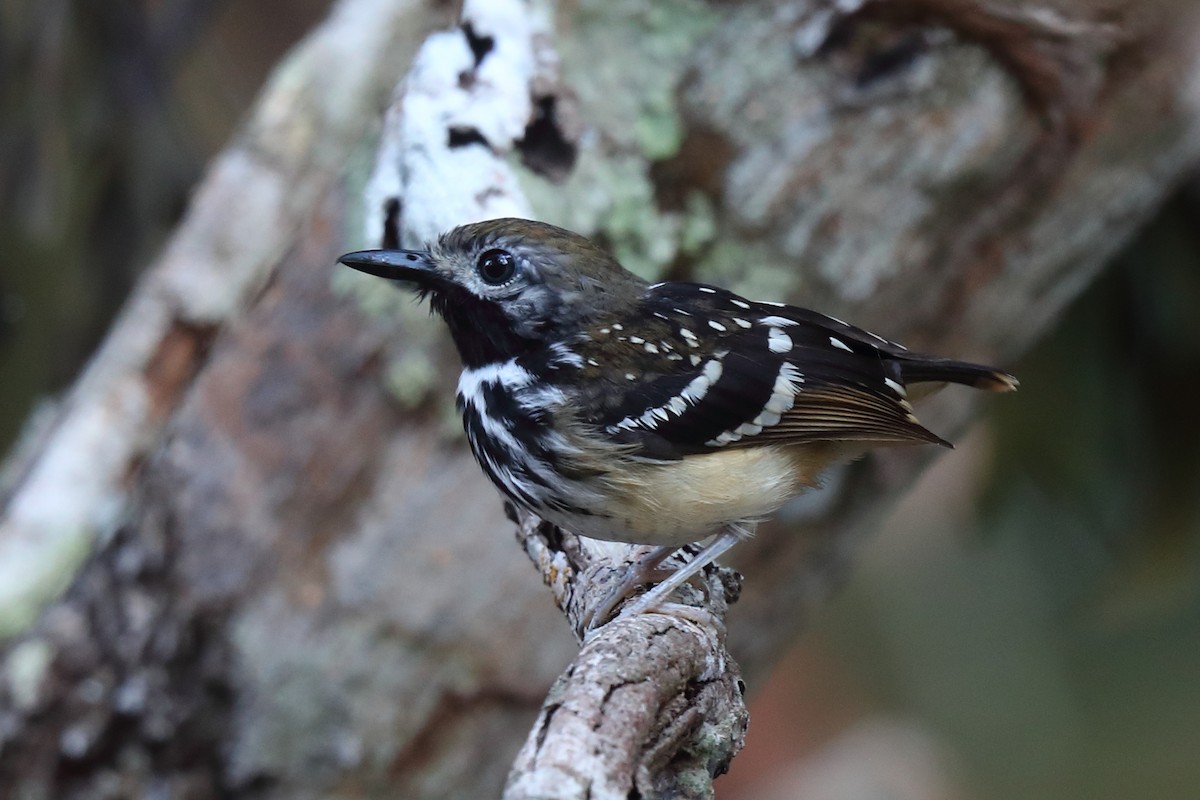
x=739, y=303
x=778, y=322
x=707, y=290
x=723, y=439
x=693, y=393
x=838, y=343
x=783, y=395
x=713, y=369
x=741, y=323
x=716, y=326
x=778, y=341
x=766, y=419
x=895, y=387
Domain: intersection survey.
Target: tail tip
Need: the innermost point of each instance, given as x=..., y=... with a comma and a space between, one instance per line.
x=999, y=382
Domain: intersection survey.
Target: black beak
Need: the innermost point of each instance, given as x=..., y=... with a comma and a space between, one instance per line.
x=412, y=266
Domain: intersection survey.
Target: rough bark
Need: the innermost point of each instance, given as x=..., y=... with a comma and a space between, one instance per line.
x=246, y=556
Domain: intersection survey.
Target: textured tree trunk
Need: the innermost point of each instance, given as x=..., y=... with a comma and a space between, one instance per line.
x=248, y=556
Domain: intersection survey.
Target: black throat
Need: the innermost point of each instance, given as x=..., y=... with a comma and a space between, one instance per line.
x=480, y=330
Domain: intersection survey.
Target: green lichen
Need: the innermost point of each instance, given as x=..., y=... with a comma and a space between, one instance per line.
x=625, y=59
x=25, y=670
x=49, y=568
x=699, y=224
x=410, y=376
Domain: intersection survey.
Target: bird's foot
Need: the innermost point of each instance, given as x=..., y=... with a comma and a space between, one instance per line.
x=646, y=570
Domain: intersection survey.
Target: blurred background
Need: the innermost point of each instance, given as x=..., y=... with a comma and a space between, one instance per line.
x=1026, y=625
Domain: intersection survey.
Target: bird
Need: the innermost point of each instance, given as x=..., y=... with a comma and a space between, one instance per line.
x=659, y=414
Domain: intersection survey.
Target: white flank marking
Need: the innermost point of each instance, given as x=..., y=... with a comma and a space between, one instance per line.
x=650, y=348
x=681, y=311
x=895, y=387
x=629, y=376
x=695, y=359
x=593, y=362
x=636, y=339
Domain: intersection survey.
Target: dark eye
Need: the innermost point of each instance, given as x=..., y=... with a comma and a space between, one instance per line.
x=496, y=267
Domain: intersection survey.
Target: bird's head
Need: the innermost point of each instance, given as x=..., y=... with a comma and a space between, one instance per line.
x=508, y=286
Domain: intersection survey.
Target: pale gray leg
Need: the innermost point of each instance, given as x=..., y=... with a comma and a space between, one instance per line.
x=658, y=595
x=640, y=572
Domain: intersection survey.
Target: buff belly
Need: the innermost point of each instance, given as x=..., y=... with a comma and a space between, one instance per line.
x=684, y=501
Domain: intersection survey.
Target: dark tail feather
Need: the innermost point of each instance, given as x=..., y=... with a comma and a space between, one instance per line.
x=925, y=369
